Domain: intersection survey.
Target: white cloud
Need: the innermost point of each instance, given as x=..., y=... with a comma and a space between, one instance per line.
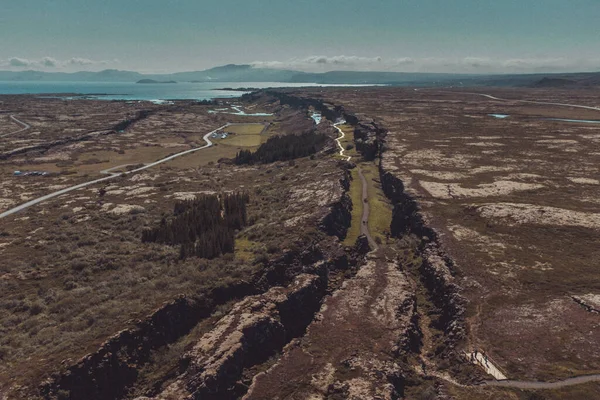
x=323, y=63
x=17, y=63
x=469, y=64
x=80, y=61
x=49, y=62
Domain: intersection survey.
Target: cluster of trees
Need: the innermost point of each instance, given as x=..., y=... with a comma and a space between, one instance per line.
x=283, y=148
x=204, y=227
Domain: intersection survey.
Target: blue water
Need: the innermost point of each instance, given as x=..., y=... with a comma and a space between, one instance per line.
x=136, y=91
x=317, y=117
x=500, y=116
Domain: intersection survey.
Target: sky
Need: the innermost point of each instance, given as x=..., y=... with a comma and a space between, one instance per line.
x=160, y=36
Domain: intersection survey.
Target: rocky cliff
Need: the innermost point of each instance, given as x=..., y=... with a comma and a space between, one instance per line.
x=437, y=271
x=337, y=221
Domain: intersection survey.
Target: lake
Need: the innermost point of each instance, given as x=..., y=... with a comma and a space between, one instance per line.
x=138, y=91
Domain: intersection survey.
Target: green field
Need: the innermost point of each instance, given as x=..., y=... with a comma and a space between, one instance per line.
x=357, y=209
x=244, y=135
x=380, y=209
x=245, y=129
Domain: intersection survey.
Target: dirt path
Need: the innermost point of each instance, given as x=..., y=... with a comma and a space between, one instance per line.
x=23, y=124
x=111, y=176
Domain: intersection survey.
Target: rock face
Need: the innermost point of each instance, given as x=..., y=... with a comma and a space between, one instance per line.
x=437, y=275
x=255, y=328
x=350, y=351
x=406, y=216
x=362, y=245
x=366, y=139
x=337, y=222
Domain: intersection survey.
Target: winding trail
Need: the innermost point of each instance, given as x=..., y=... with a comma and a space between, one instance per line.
x=342, y=135
x=112, y=175
x=23, y=124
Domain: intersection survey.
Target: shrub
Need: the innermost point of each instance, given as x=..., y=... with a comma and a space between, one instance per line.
x=36, y=308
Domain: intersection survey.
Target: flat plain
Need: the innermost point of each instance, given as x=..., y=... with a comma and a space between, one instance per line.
x=491, y=184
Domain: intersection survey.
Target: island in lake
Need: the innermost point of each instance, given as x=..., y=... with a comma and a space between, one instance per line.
x=153, y=81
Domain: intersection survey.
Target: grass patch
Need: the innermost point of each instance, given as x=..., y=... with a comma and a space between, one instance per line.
x=380, y=209
x=242, y=140
x=245, y=129
x=357, y=209
x=245, y=135
x=245, y=249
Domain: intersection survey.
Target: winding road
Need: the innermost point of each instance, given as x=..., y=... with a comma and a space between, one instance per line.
x=23, y=124
x=112, y=175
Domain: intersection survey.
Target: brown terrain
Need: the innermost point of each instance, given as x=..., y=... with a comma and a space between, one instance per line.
x=448, y=231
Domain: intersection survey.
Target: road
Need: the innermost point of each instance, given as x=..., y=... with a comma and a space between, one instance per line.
x=23, y=124
x=489, y=96
x=107, y=178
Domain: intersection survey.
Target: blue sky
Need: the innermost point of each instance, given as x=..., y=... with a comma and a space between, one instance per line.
x=315, y=35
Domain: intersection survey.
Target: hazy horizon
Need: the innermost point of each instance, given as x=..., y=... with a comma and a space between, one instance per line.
x=154, y=36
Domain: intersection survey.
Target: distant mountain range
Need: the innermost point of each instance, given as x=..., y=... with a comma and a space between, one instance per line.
x=247, y=73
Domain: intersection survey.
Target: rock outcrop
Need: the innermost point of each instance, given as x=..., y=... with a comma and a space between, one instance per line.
x=367, y=137
x=255, y=329
x=350, y=351
x=337, y=222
